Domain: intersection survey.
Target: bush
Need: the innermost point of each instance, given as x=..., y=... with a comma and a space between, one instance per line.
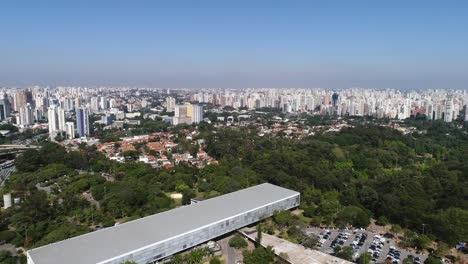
x=215, y=260
x=237, y=242
x=107, y=222
x=309, y=212
x=7, y=235
x=382, y=221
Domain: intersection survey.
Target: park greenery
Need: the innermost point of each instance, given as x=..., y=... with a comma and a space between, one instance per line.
x=416, y=181
x=237, y=242
x=348, y=177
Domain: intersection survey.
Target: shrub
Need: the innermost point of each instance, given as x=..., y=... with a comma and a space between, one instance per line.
x=237, y=242
x=7, y=235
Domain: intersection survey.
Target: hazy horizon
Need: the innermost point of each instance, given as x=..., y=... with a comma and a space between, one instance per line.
x=182, y=44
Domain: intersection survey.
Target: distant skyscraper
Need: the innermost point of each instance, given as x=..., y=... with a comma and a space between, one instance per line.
x=26, y=116
x=448, y=113
x=103, y=103
x=19, y=100
x=108, y=118
x=466, y=113
x=70, y=129
x=56, y=120
x=197, y=113
x=170, y=104
x=5, y=108
x=69, y=104
x=94, y=104
x=181, y=115
x=82, y=121
x=112, y=103
x=335, y=102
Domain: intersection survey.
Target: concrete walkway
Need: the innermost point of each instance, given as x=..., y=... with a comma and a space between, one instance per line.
x=297, y=254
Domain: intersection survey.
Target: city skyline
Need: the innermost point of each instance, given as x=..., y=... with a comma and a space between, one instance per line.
x=366, y=44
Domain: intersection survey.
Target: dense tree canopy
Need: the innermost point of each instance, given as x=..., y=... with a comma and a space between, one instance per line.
x=345, y=178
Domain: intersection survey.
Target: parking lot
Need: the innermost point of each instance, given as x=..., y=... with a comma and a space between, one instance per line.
x=363, y=241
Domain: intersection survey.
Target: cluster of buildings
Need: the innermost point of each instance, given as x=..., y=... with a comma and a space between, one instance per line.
x=158, y=150
x=446, y=105
x=66, y=111
x=184, y=113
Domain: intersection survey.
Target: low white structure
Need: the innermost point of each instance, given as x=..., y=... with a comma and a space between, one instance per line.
x=158, y=236
x=7, y=201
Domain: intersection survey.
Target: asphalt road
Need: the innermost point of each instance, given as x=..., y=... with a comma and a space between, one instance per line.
x=230, y=254
x=5, y=173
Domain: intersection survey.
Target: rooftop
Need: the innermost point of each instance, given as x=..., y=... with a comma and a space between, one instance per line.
x=107, y=243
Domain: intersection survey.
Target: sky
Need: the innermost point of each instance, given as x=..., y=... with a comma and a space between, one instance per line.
x=235, y=44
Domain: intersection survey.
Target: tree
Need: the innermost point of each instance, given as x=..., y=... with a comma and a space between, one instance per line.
x=215, y=260
x=422, y=242
x=346, y=253
x=408, y=260
x=282, y=218
x=432, y=260
x=353, y=215
x=187, y=195
x=310, y=242
x=382, y=221
x=237, y=242
x=259, y=235
x=259, y=255
x=365, y=258
x=442, y=249
x=396, y=229
x=309, y=211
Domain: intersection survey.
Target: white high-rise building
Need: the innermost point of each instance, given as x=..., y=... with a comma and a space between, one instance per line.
x=448, y=114
x=170, y=104
x=94, y=104
x=103, y=103
x=197, y=113
x=181, y=114
x=466, y=113
x=56, y=119
x=112, y=103
x=70, y=129
x=26, y=116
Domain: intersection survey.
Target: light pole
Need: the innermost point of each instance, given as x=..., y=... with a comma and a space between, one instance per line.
x=423, y=225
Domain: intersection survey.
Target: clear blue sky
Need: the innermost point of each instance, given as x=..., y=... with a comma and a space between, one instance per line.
x=331, y=44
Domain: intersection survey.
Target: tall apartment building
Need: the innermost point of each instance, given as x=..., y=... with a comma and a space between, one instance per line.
x=448, y=113
x=26, y=117
x=170, y=104
x=5, y=108
x=82, y=121
x=188, y=114
x=197, y=113
x=466, y=113
x=56, y=120
x=70, y=130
